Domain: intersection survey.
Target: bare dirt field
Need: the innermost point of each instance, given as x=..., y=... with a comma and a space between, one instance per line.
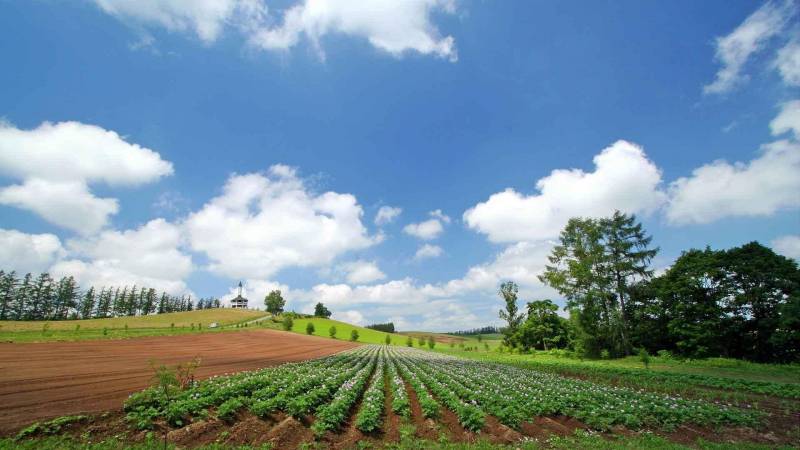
x=39, y=381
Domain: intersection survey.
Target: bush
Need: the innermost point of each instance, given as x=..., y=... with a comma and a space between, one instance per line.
x=665, y=354
x=288, y=323
x=431, y=342
x=388, y=339
x=354, y=335
x=605, y=354
x=310, y=328
x=409, y=342
x=645, y=358
x=332, y=331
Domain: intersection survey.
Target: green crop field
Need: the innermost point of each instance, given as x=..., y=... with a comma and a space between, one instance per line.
x=125, y=327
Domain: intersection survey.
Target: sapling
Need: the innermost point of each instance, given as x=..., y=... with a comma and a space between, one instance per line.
x=288, y=323
x=354, y=335
x=332, y=331
x=388, y=339
x=409, y=342
x=310, y=328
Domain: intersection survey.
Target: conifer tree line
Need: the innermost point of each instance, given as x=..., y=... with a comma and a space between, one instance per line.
x=742, y=302
x=44, y=298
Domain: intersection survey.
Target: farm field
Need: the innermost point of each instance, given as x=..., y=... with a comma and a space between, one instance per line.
x=45, y=380
x=125, y=327
x=717, y=375
x=408, y=398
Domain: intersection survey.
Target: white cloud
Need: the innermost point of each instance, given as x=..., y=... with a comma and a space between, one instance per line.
x=68, y=204
x=264, y=223
x=351, y=316
x=205, y=18
x=28, y=252
x=757, y=188
x=624, y=179
x=788, y=120
x=428, y=229
x=387, y=214
x=788, y=63
x=256, y=290
x=362, y=272
x=734, y=50
x=788, y=246
x=57, y=162
x=438, y=214
x=391, y=26
x=147, y=256
x=428, y=251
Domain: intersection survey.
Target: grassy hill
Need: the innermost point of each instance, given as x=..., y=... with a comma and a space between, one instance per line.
x=343, y=330
x=125, y=327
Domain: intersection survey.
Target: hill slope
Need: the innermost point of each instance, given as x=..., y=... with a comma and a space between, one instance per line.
x=343, y=330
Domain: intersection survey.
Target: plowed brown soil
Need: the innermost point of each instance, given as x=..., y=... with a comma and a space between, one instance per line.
x=39, y=381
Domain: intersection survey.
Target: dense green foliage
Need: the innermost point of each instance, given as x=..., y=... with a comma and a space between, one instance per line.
x=387, y=327
x=43, y=298
x=321, y=311
x=742, y=302
x=274, y=302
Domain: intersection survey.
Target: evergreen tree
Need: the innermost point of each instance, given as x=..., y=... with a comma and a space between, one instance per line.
x=162, y=303
x=87, y=304
x=627, y=259
x=22, y=299
x=42, y=300
x=66, y=298
x=8, y=291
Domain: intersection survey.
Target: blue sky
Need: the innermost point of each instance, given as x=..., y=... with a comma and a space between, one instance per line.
x=187, y=146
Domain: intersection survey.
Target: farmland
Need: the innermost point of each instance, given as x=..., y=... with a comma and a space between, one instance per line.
x=377, y=394
x=167, y=324
x=45, y=380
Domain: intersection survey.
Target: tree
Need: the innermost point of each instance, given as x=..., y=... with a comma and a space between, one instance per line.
x=87, y=304
x=388, y=339
x=310, y=328
x=409, y=342
x=627, y=259
x=758, y=282
x=23, y=298
x=431, y=342
x=332, y=331
x=592, y=267
x=321, y=311
x=274, y=302
x=511, y=315
x=543, y=328
x=354, y=335
x=8, y=291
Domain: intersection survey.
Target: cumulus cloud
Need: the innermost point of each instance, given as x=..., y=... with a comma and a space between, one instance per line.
x=735, y=49
x=428, y=251
x=263, y=223
x=351, y=316
x=387, y=214
x=624, y=179
x=57, y=163
x=25, y=253
x=788, y=246
x=256, y=290
x=147, y=256
x=205, y=18
x=362, y=272
x=788, y=63
x=788, y=120
x=428, y=229
x=759, y=187
x=391, y=26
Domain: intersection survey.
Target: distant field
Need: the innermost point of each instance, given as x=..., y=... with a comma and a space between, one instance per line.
x=343, y=330
x=114, y=328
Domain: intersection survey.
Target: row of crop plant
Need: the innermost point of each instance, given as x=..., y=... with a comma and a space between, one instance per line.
x=355, y=384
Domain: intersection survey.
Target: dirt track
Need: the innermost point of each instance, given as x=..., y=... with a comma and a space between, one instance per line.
x=39, y=381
